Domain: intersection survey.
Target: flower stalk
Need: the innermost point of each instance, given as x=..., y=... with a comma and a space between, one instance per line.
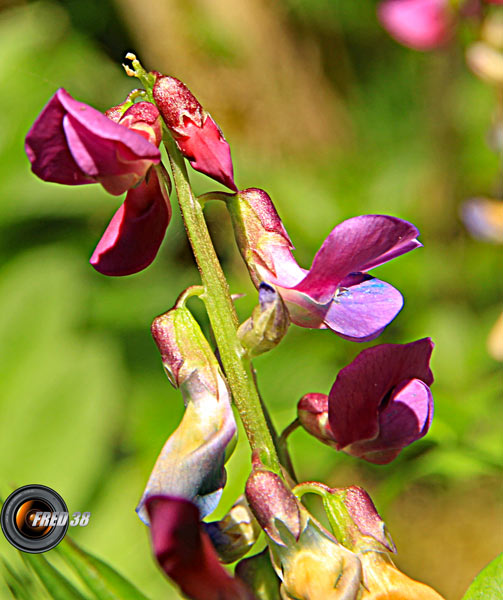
x=221, y=313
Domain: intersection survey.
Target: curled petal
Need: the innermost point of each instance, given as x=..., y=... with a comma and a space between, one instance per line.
x=191, y=463
x=72, y=143
x=47, y=147
x=361, y=311
x=405, y=419
x=208, y=152
x=356, y=246
x=419, y=24
x=186, y=554
x=132, y=239
x=361, y=387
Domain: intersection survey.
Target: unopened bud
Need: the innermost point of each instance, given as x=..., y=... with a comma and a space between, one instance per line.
x=184, y=349
x=268, y=324
x=273, y=503
x=236, y=533
x=261, y=236
x=197, y=135
x=353, y=514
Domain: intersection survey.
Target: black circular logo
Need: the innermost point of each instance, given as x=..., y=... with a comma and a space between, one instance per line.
x=34, y=518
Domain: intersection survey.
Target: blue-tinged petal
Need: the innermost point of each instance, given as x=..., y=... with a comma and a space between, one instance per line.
x=361, y=311
x=191, y=463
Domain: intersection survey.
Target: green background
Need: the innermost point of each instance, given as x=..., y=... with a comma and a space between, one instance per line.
x=333, y=119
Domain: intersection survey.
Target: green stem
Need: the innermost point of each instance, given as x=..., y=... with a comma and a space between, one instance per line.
x=222, y=314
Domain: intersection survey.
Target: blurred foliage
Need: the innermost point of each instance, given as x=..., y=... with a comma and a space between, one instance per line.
x=85, y=404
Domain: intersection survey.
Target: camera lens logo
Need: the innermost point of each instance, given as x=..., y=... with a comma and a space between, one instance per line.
x=34, y=518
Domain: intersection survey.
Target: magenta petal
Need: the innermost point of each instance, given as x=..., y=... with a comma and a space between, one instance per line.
x=405, y=419
x=208, y=152
x=185, y=552
x=72, y=143
x=361, y=387
x=47, y=148
x=419, y=24
x=133, y=236
x=357, y=245
x=360, y=312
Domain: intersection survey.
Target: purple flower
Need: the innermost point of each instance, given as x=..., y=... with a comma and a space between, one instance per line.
x=73, y=143
x=197, y=135
x=337, y=292
x=379, y=404
x=185, y=552
x=419, y=24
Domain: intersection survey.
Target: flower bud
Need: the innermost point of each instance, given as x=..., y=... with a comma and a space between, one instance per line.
x=184, y=349
x=191, y=463
x=379, y=403
x=197, y=135
x=358, y=526
x=268, y=324
x=236, y=533
x=353, y=517
x=272, y=502
x=261, y=237
x=309, y=561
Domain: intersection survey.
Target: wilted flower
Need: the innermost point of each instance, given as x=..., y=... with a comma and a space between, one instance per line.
x=308, y=559
x=379, y=404
x=187, y=480
x=191, y=463
x=186, y=554
x=73, y=143
x=337, y=292
x=359, y=528
x=419, y=24
x=197, y=135
x=383, y=581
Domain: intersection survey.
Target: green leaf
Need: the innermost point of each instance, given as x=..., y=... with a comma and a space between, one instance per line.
x=101, y=579
x=55, y=583
x=18, y=583
x=488, y=585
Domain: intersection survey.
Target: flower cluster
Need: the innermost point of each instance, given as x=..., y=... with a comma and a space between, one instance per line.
x=378, y=405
